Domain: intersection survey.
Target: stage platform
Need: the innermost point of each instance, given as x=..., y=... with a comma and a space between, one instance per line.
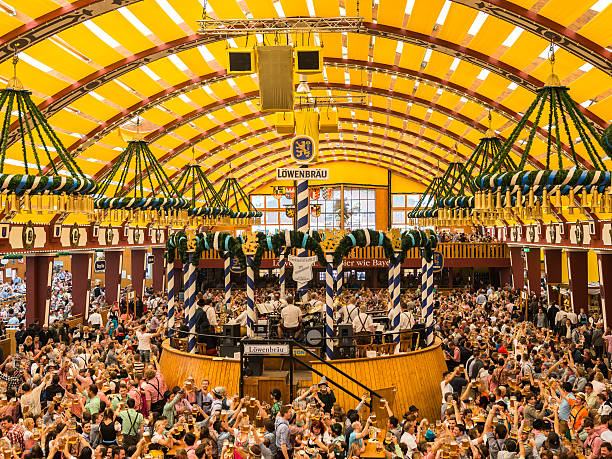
x=411, y=378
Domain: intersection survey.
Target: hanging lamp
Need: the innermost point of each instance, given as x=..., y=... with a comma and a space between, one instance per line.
x=563, y=126
x=149, y=189
x=194, y=186
x=427, y=206
x=233, y=197
x=51, y=181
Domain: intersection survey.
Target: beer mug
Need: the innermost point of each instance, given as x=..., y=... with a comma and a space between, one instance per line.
x=147, y=437
x=379, y=446
x=382, y=402
x=373, y=418
x=36, y=434
x=252, y=405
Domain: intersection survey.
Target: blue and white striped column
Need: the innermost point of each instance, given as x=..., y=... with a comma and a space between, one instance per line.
x=427, y=300
x=391, y=280
x=190, y=301
x=395, y=300
x=339, y=279
x=250, y=290
x=281, y=275
x=329, y=307
x=171, y=297
x=227, y=279
x=303, y=223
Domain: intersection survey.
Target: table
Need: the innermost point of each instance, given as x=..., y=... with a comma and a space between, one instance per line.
x=370, y=446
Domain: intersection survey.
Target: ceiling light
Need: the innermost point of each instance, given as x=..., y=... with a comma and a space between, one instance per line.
x=481, y=17
x=409, y=6
x=455, y=64
x=586, y=67
x=171, y=12
x=443, y=13
x=101, y=34
x=34, y=63
x=512, y=86
x=483, y=74
x=512, y=37
x=132, y=19
x=601, y=5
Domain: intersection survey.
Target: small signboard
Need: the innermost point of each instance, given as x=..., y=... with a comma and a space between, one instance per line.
x=100, y=266
x=438, y=261
x=266, y=349
x=150, y=259
x=302, y=173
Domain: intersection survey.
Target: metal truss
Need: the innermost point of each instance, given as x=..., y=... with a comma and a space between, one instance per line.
x=279, y=25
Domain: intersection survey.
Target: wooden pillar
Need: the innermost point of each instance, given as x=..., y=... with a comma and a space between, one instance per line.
x=534, y=270
x=139, y=259
x=112, y=275
x=39, y=270
x=158, y=269
x=517, y=264
x=81, y=283
x=505, y=276
x=604, y=263
x=577, y=263
x=552, y=264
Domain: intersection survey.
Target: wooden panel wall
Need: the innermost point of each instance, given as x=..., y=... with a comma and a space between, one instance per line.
x=416, y=377
x=177, y=366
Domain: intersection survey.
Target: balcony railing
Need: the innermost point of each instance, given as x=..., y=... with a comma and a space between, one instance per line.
x=448, y=250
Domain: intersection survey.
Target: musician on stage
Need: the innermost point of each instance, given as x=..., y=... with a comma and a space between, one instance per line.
x=348, y=313
x=291, y=320
x=363, y=325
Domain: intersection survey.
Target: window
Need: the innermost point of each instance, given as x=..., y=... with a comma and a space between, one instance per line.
x=401, y=204
x=330, y=212
x=359, y=208
x=274, y=216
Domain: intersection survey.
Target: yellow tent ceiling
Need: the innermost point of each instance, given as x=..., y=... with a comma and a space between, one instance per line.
x=429, y=72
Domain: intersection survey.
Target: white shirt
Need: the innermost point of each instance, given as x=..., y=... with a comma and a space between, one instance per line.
x=362, y=323
x=446, y=388
x=211, y=315
x=241, y=319
x=348, y=313
x=290, y=316
x=410, y=441
x=406, y=320
x=95, y=319
x=144, y=341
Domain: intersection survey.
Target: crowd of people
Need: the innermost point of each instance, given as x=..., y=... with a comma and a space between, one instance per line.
x=448, y=236
x=524, y=381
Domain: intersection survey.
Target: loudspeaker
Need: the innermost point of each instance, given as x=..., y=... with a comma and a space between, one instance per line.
x=313, y=336
x=240, y=60
x=231, y=335
x=228, y=350
x=345, y=335
x=275, y=68
x=309, y=59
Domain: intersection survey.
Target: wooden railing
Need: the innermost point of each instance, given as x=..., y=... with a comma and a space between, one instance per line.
x=448, y=249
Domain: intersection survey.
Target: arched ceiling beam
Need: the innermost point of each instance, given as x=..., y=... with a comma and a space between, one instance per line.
x=60, y=19
x=191, y=84
x=375, y=91
x=54, y=22
x=73, y=92
x=404, y=155
x=349, y=157
x=428, y=124
x=328, y=159
x=539, y=25
x=357, y=146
